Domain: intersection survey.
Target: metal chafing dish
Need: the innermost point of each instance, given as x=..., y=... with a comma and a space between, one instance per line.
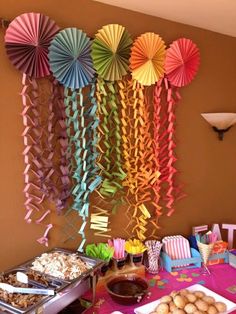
x=66, y=291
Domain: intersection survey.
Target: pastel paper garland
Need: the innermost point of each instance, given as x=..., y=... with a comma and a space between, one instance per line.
x=109, y=139
x=170, y=187
x=81, y=125
x=138, y=154
x=157, y=144
x=63, y=181
x=34, y=173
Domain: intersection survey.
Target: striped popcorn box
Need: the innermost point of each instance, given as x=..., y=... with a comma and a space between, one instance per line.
x=177, y=247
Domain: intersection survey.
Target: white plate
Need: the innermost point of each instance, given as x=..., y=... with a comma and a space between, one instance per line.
x=147, y=308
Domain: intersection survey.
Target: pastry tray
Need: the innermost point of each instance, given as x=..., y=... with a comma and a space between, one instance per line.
x=150, y=307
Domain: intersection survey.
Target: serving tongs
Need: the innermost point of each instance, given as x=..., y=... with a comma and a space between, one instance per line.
x=12, y=289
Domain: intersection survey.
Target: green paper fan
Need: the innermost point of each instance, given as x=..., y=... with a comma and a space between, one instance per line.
x=111, y=52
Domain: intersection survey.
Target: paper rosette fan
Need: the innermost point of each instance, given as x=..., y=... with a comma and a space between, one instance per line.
x=182, y=62
x=69, y=58
x=147, y=58
x=27, y=39
x=111, y=52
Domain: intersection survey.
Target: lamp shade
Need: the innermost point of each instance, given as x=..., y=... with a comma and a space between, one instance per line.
x=221, y=120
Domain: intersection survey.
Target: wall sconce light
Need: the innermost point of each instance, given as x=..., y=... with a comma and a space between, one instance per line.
x=220, y=122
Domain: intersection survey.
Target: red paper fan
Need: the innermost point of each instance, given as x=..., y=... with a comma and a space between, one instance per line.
x=182, y=62
x=27, y=40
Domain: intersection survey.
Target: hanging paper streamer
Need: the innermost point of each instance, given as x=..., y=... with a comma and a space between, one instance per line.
x=109, y=139
x=27, y=39
x=110, y=52
x=100, y=222
x=147, y=58
x=36, y=174
x=138, y=154
x=71, y=64
x=157, y=144
x=182, y=62
x=63, y=181
x=31, y=137
x=80, y=115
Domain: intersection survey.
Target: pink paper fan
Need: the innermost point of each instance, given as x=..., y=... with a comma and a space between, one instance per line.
x=182, y=62
x=27, y=40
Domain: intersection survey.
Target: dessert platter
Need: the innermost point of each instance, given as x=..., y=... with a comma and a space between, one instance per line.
x=194, y=299
x=49, y=282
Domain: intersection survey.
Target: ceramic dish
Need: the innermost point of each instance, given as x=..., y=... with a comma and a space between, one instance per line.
x=127, y=289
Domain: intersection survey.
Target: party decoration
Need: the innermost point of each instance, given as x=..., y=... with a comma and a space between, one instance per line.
x=38, y=156
x=33, y=193
x=157, y=129
x=100, y=134
x=109, y=139
x=69, y=58
x=166, y=98
x=81, y=129
x=182, y=62
x=230, y=228
x=139, y=155
x=134, y=246
x=102, y=251
x=99, y=222
x=70, y=61
x=110, y=52
x=27, y=40
x=147, y=58
x=63, y=180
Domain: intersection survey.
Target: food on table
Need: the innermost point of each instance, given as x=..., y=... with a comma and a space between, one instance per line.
x=189, y=302
x=190, y=308
x=212, y=310
x=162, y=308
x=191, y=297
x=209, y=300
x=201, y=305
x=21, y=300
x=60, y=265
x=220, y=306
x=179, y=301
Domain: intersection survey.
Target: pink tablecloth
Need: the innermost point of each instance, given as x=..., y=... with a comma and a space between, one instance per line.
x=222, y=281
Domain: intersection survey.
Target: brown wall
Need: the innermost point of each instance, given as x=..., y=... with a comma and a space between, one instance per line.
x=207, y=165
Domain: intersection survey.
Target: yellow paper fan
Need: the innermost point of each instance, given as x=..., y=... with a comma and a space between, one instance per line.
x=147, y=58
x=111, y=52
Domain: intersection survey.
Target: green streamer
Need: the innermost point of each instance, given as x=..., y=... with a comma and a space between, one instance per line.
x=82, y=125
x=110, y=163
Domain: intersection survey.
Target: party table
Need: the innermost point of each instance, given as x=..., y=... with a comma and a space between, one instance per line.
x=222, y=281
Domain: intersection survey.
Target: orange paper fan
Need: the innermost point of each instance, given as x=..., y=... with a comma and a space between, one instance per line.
x=147, y=58
x=182, y=62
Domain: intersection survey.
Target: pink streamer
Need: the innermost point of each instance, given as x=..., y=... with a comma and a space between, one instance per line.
x=63, y=175
x=44, y=238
